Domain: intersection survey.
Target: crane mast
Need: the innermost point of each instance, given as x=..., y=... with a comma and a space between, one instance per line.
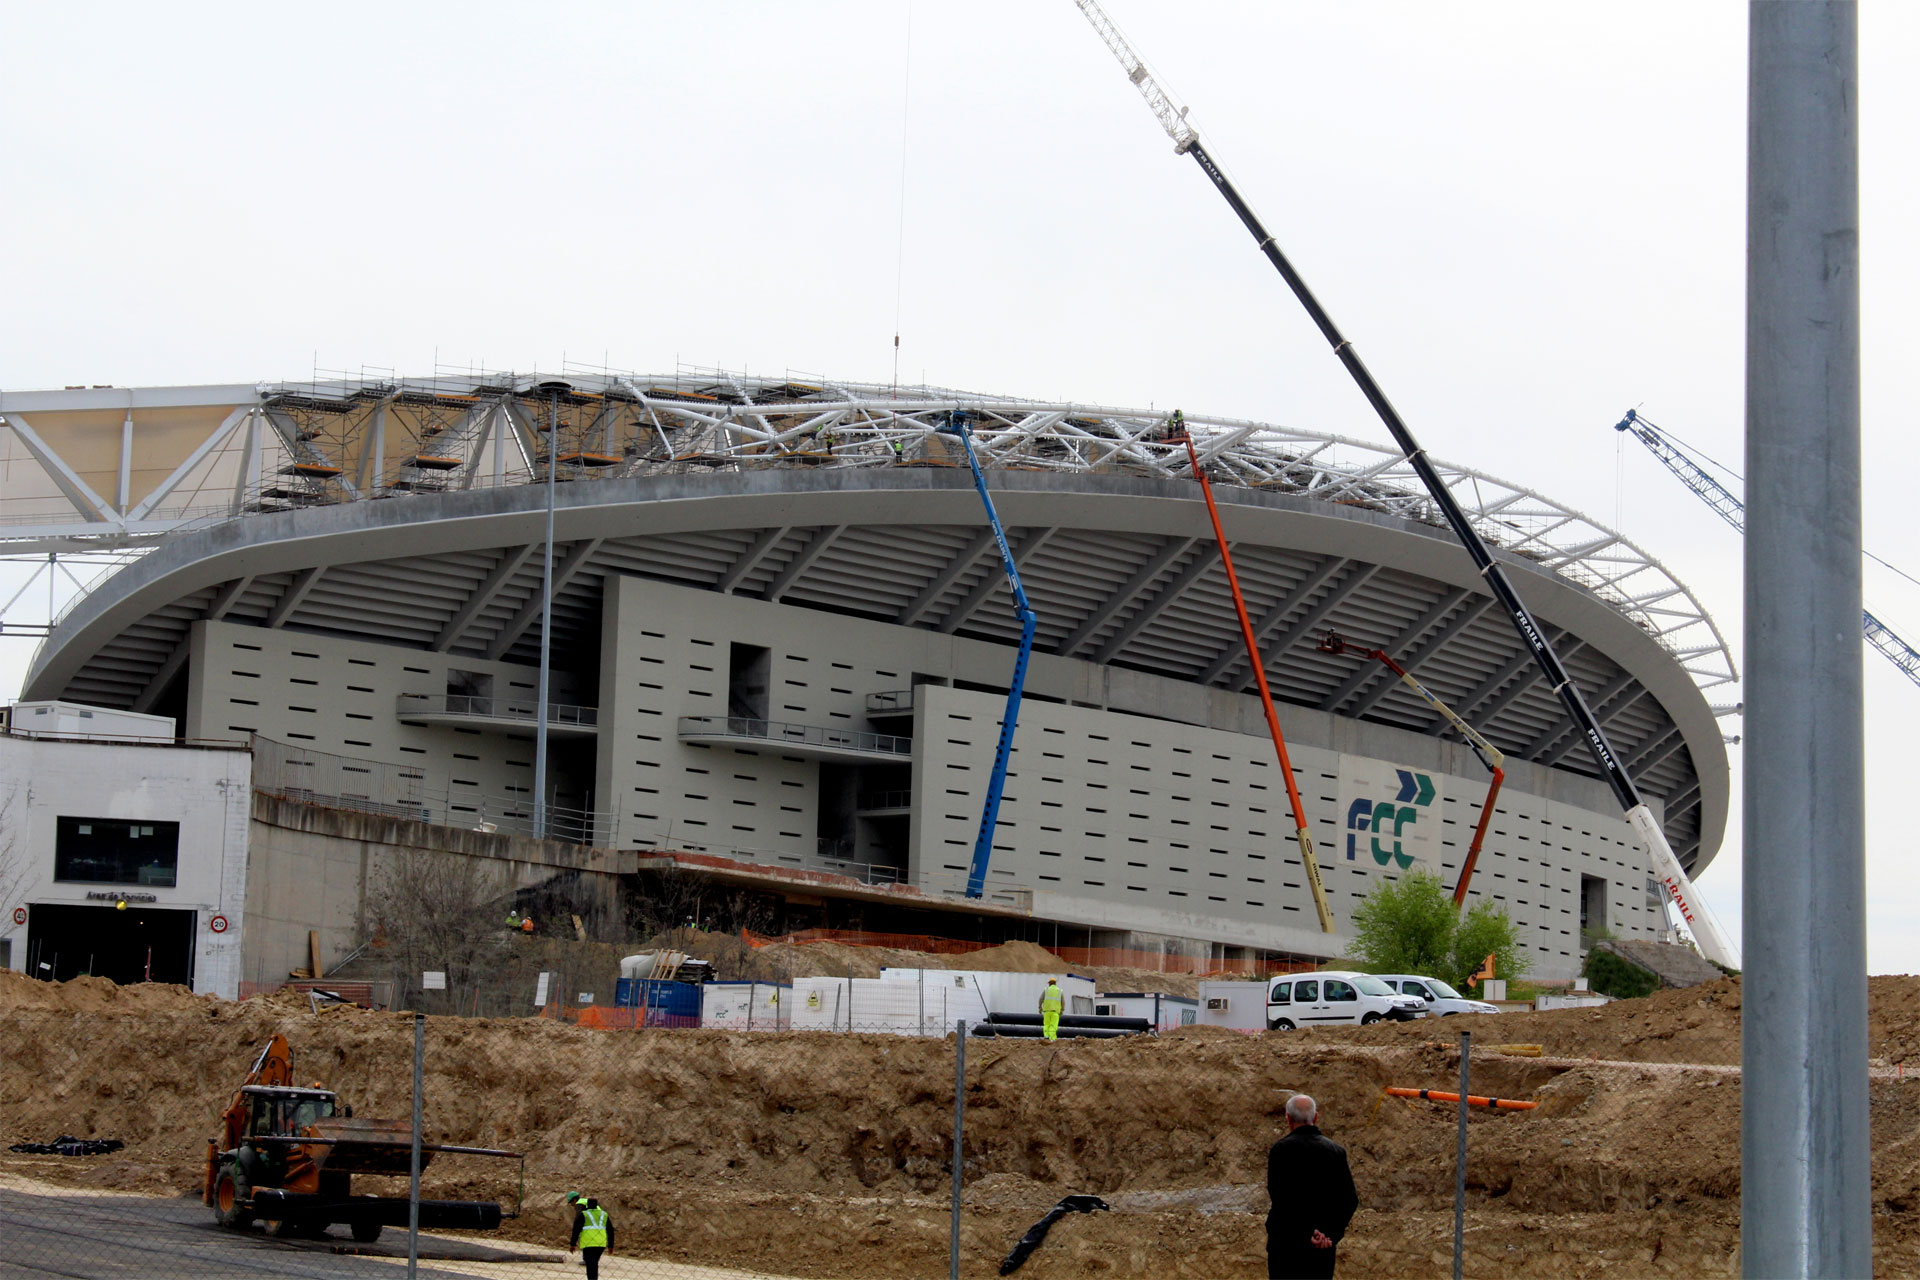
x=1612, y=769
x=1731, y=509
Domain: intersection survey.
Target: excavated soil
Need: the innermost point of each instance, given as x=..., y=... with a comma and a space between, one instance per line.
x=814, y=1154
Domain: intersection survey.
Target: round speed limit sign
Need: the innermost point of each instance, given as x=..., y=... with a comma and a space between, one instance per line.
x=218, y=924
x=19, y=915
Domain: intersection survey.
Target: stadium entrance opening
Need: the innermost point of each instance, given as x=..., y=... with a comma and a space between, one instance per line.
x=137, y=944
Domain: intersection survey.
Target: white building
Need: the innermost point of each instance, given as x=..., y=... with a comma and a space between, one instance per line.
x=123, y=858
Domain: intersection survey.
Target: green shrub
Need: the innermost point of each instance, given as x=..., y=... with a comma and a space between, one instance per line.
x=1610, y=975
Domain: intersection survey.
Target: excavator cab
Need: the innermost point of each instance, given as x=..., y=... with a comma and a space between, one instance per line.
x=287, y=1156
x=286, y=1113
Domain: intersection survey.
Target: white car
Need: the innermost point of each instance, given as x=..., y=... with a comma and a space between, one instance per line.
x=1336, y=997
x=1440, y=999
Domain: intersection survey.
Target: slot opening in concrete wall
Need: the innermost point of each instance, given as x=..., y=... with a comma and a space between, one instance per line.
x=1593, y=908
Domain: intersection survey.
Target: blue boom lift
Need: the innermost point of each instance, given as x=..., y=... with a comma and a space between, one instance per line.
x=959, y=424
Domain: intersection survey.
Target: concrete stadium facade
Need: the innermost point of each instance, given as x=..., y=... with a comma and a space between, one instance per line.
x=781, y=635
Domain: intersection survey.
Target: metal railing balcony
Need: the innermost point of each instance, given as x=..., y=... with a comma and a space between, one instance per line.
x=875, y=801
x=454, y=706
x=819, y=741
x=894, y=702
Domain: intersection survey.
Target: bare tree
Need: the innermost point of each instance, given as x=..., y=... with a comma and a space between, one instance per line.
x=438, y=912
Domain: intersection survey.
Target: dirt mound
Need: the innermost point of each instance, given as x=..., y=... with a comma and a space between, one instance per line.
x=93, y=995
x=822, y=1154
x=1010, y=957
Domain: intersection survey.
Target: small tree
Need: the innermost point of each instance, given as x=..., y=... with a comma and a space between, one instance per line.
x=1405, y=926
x=1410, y=925
x=1485, y=931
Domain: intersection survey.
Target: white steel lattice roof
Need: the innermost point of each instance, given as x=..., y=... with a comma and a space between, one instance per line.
x=284, y=446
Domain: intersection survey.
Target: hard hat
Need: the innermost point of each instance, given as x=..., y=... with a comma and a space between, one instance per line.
x=572, y=1196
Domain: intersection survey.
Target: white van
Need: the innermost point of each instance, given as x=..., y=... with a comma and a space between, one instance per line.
x=1441, y=1000
x=1336, y=997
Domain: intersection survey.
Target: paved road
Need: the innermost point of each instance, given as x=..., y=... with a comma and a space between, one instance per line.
x=121, y=1237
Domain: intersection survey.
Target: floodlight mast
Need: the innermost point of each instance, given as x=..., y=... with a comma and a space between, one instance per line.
x=1187, y=142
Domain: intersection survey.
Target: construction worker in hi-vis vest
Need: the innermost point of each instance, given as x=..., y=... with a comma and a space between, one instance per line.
x=592, y=1232
x=1053, y=1001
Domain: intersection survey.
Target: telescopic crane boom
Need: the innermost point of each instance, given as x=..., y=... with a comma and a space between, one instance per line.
x=1731, y=509
x=1173, y=118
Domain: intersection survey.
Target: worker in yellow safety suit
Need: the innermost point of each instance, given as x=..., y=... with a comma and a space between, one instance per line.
x=1053, y=1001
x=592, y=1231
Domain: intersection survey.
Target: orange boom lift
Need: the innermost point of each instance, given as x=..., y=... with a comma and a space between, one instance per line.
x=1177, y=433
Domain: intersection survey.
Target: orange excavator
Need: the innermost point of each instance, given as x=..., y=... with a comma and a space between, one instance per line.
x=287, y=1156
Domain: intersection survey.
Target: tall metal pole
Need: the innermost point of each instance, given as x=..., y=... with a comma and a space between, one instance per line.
x=546, y=633
x=1805, y=1177
x=959, y=1133
x=413, y=1182
x=1460, y=1157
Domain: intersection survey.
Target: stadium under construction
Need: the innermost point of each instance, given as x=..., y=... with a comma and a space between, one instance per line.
x=781, y=642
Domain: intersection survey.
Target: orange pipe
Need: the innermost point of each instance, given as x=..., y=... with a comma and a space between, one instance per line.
x=1473, y=1099
x=1307, y=858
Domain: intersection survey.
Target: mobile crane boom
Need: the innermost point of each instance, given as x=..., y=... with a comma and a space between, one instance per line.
x=1173, y=118
x=1709, y=490
x=958, y=425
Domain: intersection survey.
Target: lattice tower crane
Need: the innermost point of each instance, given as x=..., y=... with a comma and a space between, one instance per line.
x=1673, y=456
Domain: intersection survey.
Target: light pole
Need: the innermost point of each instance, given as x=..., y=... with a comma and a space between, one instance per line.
x=546, y=631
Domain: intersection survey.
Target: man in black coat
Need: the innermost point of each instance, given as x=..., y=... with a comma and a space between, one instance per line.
x=1313, y=1197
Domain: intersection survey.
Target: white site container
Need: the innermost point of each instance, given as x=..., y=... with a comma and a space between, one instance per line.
x=882, y=1004
x=1572, y=1000
x=1001, y=992
x=71, y=719
x=1162, y=1011
x=1241, y=1006
x=745, y=1006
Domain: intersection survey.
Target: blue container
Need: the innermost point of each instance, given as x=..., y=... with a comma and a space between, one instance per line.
x=664, y=1003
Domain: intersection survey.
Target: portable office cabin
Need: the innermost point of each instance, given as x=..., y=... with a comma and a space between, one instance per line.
x=74, y=720
x=1164, y=1012
x=745, y=1006
x=881, y=1004
x=1001, y=992
x=1241, y=1006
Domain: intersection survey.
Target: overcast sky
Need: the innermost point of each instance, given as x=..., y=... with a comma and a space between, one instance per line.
x=1528, y=218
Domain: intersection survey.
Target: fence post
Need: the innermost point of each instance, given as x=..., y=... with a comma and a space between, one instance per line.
x=1460, y=1160
x=959, y=1130
x=413, y=1183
